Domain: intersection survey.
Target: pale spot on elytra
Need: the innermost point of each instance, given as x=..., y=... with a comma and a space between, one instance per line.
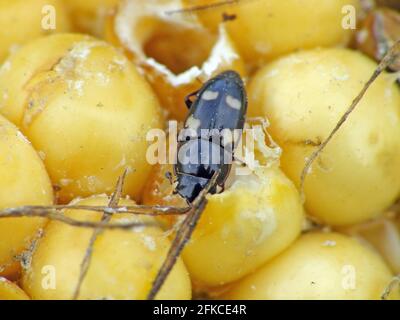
x=192, y=123
x=233, y=102
x=210, y=95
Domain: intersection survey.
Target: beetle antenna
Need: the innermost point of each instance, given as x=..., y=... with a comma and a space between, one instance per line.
x=182, y=237
x=115, y=197
x=390, y=57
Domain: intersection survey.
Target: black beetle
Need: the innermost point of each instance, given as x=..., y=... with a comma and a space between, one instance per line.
x=220, y=105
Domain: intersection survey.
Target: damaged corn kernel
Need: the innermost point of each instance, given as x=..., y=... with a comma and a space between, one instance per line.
x=24, y=20
x=175, y=53
x=123, y=265
x=252, y=221
x=257, y=216
x=87, y=110
x=24, y=181
x=304, y=95
x=318, y=266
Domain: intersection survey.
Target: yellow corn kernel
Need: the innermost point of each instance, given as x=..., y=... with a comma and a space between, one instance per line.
x=10, y=291
x=25, y=20
x=318, y=266
x=85, y=107
x=24, y=181
x=123, y=266
x=266, y=29
x=304, y=95
x=254, y=219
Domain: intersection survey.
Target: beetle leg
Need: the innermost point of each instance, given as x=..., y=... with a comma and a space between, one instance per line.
x=169, y=177
x=220, y=188
x=188, y=100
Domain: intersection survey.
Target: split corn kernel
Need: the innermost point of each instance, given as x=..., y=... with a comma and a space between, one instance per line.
x=254, y=219
x=243, y=227
x=176, y=53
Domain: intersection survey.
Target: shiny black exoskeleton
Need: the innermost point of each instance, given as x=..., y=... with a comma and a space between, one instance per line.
x=220, y=105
